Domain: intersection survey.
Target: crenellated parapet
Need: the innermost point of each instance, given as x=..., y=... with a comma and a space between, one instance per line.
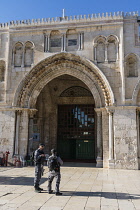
x=75, y=18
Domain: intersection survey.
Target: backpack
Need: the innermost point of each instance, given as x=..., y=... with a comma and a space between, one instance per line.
x=54, y=165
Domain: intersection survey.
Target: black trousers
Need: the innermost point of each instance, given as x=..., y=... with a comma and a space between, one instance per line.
x=38, y=174
x=57, y=177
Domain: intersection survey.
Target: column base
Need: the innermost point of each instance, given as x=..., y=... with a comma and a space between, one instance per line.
x=112, y=163
x=99, y=163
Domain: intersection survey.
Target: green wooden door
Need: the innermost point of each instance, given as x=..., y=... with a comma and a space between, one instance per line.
x=76, y=128
x=85, y=149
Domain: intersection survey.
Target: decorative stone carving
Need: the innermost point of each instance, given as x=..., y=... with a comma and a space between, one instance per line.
x=76, y=92
x=60, y=61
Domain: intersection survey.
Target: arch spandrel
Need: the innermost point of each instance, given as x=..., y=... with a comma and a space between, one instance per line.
x=57, y=65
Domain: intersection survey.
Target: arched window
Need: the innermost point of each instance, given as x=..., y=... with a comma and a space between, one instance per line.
x=28, y=54
x=100, y=52
x=112, y=45
x=2, y=79
x=99, y=49
x=132, y=65
x=18, y=52
x=2, y=71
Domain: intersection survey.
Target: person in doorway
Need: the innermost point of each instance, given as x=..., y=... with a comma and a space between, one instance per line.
x=39, y=158
x=54, y=162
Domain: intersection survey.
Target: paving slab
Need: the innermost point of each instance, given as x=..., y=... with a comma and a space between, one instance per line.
x=83, y=188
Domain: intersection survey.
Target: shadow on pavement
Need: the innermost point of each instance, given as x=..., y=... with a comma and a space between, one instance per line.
x=26, y=181
x=108, y=195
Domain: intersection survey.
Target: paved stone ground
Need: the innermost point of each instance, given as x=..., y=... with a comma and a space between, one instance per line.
x=84, y=188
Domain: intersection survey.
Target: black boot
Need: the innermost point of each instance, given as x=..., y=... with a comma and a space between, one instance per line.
x=40, y=188
x=37, y=190
x=58, y=193
x=50, y=192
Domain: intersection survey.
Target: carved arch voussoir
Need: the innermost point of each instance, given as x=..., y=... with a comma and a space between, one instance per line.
x=56, y=63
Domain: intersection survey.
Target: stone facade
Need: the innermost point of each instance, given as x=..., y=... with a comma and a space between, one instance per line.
x=85, y=60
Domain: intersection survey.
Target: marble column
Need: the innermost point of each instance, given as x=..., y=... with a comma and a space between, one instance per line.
x=30, y=143
x=23, y=135
x=111, y=140
x=82, y=41
x=46, y=42
x=106, y=58
x=16, y=144
x=23, y=57
x=13, y=58
x=63, y=43
x=79, y=38
x=81, y=34
x=95, y=53
x=99, y=159
x=117, y=52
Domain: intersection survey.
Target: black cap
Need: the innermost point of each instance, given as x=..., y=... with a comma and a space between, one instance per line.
x=41, y=144
x=53, y=151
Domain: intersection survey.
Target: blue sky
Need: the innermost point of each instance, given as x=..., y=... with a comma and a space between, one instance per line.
x=33, y=9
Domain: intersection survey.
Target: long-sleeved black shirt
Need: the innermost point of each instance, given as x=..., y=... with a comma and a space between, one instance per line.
x=38, y=159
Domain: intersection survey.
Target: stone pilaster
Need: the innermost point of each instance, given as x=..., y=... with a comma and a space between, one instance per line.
x=23, y=135
x=111, y=139
x=30, y=142
x=95, y=53
x=106, y=58
x=99, y=159
x=16, y=145
x=23, y=57
x=105, y=136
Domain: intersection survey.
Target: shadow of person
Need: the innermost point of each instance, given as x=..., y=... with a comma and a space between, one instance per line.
x=108, y=195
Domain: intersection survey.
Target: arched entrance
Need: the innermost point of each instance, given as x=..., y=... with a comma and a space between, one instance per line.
x=65, y=119
x=87, y=76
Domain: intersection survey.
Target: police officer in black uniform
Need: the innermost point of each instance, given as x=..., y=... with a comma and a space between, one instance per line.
x=39, y=158
x=54, y=174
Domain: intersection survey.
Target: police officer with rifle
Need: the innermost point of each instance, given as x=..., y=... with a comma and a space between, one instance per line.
x=39, y=158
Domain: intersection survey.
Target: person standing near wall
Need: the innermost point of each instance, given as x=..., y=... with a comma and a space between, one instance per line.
x=39, y=158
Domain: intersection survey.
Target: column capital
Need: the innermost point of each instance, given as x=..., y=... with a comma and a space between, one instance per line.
x=47, y=32
x=110, y=110
x=30, y=112
x=98, y=111
x=95, y=45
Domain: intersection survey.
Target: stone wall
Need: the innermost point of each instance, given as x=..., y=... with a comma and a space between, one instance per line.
x=125, y=138
x=7, y=132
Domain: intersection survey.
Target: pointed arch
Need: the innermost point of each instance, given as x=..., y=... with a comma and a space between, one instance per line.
x=60, y=64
